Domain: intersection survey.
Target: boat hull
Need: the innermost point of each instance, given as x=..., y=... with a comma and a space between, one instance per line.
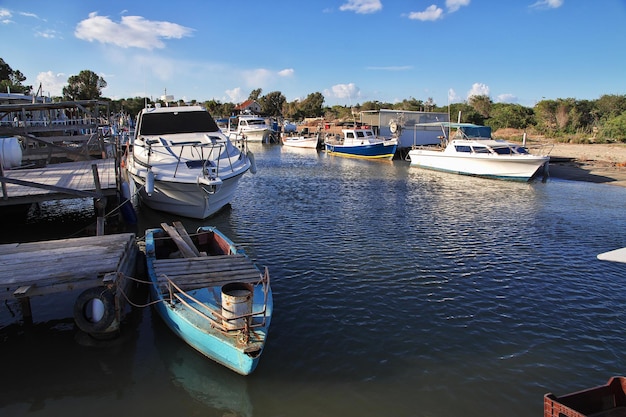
x=256, y=135
x=207, y=341
x=186, y=199
x=514, y=168
x=301, y=142
x=366, y=151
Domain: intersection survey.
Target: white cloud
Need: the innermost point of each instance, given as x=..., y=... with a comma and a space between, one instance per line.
x=47, y=34
x=51, y=83
x=454, y=5
x=235, y=95
x=287, y=72
x=547, y=4
x=431, y=13
x=478, y=89
x=506, y=98
x=26, y=14
x=257, y=77
x=362, y=6
x=453, y=96
x=343, y=91
x=131, y=31
x=5, y=16
x=434, y=12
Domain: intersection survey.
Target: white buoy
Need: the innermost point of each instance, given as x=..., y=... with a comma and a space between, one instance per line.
x=149, y=182
x=97, y=310
x=10, y=152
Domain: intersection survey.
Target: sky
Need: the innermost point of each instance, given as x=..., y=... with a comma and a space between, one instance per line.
x=351, y=51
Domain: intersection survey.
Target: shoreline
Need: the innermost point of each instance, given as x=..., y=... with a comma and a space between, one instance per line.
x=596, y=163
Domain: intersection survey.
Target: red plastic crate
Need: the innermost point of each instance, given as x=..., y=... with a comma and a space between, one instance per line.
x=604, y=401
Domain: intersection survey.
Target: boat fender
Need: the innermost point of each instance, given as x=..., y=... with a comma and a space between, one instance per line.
x=94, y=309
x=128, y=211
x=149, y=182
x=252, y=162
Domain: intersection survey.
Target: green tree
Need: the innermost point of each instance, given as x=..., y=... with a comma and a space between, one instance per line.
x=410, y=104
x=481, y=104
x=255, y=94
x=545, y=116
x=614, y=129
x=507, y=115
x=610, y=105
x=312, y=105
x=468, y=114
x=87, y=85
x=272, y=104
x=11, y=80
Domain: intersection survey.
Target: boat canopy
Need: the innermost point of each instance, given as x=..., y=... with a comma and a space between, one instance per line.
x=473, y=132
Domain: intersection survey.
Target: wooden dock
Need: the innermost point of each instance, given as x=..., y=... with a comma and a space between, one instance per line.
x=59, y=181
x=49, y=267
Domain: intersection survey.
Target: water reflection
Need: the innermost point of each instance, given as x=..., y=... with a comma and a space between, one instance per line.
x=398, y=291
x=203, y=380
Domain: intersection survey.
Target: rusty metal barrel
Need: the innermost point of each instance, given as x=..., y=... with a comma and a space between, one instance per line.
x=236, y=302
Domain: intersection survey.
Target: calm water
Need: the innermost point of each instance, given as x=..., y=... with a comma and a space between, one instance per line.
x=397, y=291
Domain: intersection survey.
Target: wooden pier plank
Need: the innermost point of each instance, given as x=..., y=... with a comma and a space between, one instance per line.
x=69, y=175
x=64, y=264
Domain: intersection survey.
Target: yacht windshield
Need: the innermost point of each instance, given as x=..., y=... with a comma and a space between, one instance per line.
x=167, y=123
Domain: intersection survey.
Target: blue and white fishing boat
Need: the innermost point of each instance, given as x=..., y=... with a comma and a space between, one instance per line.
x=210, y=294
x=361, y=142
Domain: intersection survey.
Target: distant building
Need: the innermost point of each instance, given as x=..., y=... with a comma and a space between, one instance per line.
x=409, y=126
x=248, y=106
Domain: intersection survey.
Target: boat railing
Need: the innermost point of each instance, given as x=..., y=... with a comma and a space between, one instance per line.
x=215, y=316
x=215, y=149
x=540, y=149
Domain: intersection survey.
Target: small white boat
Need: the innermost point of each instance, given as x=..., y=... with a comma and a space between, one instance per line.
x=302, y=140
x=183, y=164
x=361, y=142
x=472, y=151
x=210, y=294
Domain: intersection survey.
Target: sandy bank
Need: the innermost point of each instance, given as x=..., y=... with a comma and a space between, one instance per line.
x=598, y=163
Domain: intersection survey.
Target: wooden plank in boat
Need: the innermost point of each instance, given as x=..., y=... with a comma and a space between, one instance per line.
x=185, y=246
x=185, y=236
x=216, y=264
x=207, y=263
x=191, y=273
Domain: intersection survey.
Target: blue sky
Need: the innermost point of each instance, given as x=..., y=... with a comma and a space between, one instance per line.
x=351, y=51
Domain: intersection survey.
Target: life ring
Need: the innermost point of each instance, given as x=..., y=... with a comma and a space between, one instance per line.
x=94, y=309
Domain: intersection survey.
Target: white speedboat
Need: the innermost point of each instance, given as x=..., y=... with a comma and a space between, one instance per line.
x=253, y=127
x=361, y=142
x=183, y=164
x=472, y=151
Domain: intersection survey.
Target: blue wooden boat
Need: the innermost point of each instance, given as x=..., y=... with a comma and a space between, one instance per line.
x=210, y=294
x=361, y=142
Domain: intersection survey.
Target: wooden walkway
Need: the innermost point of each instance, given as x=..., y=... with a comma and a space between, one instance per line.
x=48, y=267
x=59, y=181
